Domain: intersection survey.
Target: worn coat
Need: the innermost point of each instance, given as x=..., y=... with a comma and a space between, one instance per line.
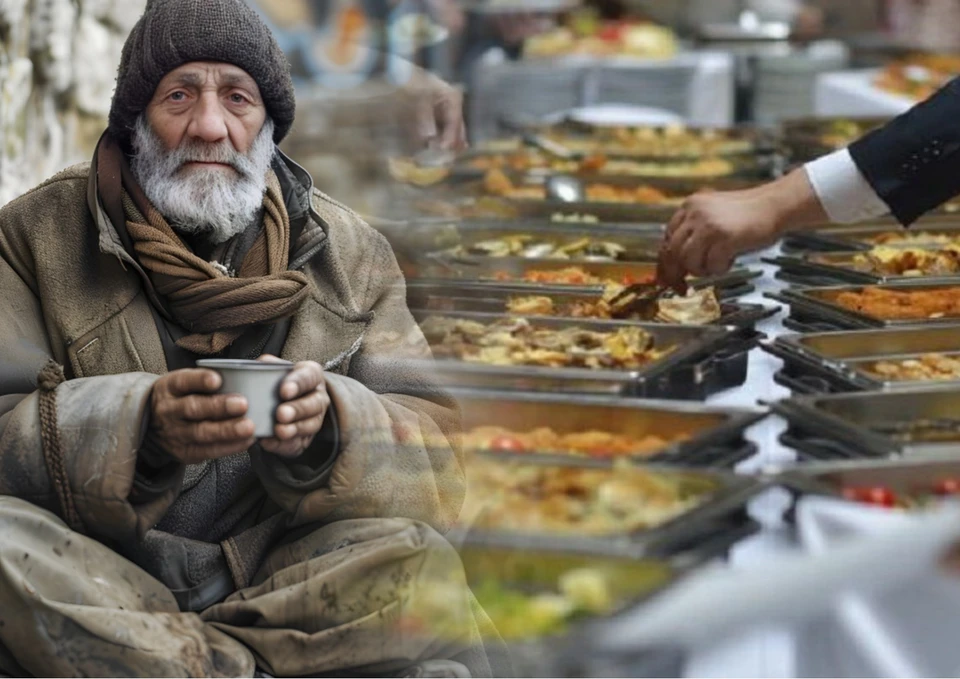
x=72, y=292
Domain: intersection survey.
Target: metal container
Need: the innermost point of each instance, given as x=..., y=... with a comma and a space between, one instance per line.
x=805, y=139
x=861, y=237
x=705, y=360
x=841, y=268
x=486, y=271
x=813, y=309
x=838, y=362
x=482, y=298
x=641, y=242
x=726, y=496
x=714, y=437
x=844, y=426
x=900, y=476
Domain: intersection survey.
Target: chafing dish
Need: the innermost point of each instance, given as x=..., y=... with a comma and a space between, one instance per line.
x=723, y=497
x=710, y=437
x=840, y=268
x=814, y=309
x=832, y=238
x=842, y=361
x=915, y=422
x=705, y=360
x=509, y=272
x=437, y=296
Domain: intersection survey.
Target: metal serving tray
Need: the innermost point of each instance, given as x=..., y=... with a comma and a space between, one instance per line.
x=833, y=238
x=838, y=426
x=837, y=362
x=811, y=309
x=726, y=505
x=900, y=476
x=433, y=296
x=641, y=242
x=715, y=435
x=485, y=271
x=706, y=360
x=841, y=268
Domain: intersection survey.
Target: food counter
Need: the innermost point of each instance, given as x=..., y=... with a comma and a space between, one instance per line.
x=855, y=93
x=640, y=432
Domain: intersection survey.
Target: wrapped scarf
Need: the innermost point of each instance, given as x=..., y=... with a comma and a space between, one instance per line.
x=214, y=307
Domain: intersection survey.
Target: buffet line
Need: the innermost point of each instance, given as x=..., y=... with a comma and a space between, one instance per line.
x=597, y=477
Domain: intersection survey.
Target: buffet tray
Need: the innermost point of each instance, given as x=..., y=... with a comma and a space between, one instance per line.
x=840, y=268
x=642, y=242
x=706, y=360
x=810, y=310
x=727, y=508
x=742, y=167
x=803, y=138
x=832, y=238
x=484, y=272
x=428, y=296
x=716, y=435
x=838, y=426
x=834, y=362
x=900, y=476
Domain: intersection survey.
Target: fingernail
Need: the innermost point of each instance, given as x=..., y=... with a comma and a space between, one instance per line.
x=237, y=403
x=285, y=413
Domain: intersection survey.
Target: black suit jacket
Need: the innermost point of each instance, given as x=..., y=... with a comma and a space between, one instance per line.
x=913, y=163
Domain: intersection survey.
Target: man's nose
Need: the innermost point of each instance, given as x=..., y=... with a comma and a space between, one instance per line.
x=208, y=122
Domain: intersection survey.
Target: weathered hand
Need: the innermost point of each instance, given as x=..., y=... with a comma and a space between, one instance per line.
x=439, y=115
x=192, y=423
x=304, y=408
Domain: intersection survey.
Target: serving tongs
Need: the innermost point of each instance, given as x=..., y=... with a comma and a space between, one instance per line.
x=642, y=299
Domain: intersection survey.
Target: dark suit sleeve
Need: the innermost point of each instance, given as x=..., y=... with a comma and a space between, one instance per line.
x=913, y=162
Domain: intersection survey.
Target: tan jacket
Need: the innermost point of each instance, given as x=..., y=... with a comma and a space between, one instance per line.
x=70, y=291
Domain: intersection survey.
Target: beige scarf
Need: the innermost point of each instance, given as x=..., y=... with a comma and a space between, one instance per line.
x=217, y=309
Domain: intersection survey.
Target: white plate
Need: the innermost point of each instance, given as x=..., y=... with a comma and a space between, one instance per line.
x=618, y=115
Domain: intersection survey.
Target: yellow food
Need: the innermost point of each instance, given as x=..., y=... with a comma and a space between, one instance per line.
x=927, y=368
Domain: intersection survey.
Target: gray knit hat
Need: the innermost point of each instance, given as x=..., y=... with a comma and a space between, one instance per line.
x=172, y=33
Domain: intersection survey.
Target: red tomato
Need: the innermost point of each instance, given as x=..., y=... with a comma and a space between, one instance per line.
x=507, y=444
x=947, y=487
x=610, y=32
x=878, y=496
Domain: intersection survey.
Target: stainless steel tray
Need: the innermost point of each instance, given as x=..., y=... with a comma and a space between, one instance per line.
x=485, y=271
x=840, y=425
x=727, y=503
x=715, y=436
x=839, y=360
x=433, y=296
x=707, y=359
x=901, y=476
x=813, y=306
x=833, y=238
x=641, y=242
x=841, y=268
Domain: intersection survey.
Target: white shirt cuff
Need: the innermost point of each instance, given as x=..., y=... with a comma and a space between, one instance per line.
x=845, y=194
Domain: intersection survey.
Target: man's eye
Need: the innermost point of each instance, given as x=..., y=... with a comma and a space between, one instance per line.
x=238, y=98
x=178, y=96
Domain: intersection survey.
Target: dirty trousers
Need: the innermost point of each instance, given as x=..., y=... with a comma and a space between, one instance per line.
x=329, y=602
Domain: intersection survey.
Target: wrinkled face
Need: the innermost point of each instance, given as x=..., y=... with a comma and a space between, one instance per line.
x=203, y=148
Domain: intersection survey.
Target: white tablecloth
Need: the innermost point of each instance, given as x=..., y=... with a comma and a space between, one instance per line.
x=771, y=652
x=852, y=93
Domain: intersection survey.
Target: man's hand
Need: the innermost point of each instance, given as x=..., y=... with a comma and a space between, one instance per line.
x=439, y=114
x=305, y=404
x=192, y=423
x=712, y=229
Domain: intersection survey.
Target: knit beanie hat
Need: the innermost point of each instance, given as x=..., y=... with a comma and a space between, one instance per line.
x=172, y=33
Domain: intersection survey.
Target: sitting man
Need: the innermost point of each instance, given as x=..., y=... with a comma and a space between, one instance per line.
x=144, y=531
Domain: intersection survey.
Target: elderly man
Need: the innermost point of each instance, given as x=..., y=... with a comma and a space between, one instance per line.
x=143, y=529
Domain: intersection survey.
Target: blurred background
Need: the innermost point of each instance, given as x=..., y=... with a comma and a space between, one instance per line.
x=703, y=62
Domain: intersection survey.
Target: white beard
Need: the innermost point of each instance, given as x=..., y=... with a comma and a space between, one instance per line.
x=212, y=202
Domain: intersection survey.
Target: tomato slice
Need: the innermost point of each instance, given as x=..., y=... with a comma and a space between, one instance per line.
x=507, y=444
x=878, y=496
x=947, y=487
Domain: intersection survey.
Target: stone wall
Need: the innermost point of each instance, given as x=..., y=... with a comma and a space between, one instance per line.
x=58, y=63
